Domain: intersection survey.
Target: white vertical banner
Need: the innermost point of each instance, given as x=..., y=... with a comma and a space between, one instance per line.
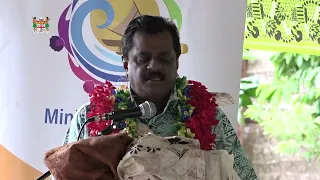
x=213, y=31
x=53, y=53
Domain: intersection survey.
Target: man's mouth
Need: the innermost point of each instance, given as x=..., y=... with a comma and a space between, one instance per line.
x=155, y=78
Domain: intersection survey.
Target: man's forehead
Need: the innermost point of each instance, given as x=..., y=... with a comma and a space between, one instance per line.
x=146, y=43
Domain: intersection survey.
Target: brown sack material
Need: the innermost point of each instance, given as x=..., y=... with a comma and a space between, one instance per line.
x=95, y=158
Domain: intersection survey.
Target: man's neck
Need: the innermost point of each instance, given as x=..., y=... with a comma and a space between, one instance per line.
x=160, y=103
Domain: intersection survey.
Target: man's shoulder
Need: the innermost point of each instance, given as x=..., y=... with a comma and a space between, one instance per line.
x=83, y=108
x=81, y=113
x=79, y=118
x=222, y=98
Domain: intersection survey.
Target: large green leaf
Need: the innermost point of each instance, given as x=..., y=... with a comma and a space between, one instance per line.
x=245, y=100
x=288, y=57
x=251, y=92
x=265, y=92
x=276, y=97
x=288, y=89
x=310, y=75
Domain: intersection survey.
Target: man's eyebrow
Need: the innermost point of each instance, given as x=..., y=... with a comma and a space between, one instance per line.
x=164, y=53
x=143, y=53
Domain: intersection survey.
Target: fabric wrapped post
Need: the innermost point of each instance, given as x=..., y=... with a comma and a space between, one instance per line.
x=95, y=158
x=151, y=157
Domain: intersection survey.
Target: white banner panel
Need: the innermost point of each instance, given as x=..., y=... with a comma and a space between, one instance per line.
x=53, y=52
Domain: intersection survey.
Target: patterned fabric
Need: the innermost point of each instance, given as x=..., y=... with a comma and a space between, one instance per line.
x=154, y=157
x=163, y=125
x=280, y=25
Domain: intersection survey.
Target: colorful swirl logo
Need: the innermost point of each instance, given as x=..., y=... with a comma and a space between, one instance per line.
x=91, y=32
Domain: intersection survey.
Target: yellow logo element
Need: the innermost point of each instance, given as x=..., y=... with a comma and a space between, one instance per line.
x=124, y=12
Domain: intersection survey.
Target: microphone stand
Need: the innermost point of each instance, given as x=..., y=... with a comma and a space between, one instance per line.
x=44, y=176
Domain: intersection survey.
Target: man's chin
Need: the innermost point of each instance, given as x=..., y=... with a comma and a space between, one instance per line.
x=155, y=89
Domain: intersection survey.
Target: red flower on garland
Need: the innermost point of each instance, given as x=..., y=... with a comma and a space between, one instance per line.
x=204, y=115
x=101, y=101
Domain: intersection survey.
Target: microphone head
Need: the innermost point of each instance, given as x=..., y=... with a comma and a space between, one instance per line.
x=148, y=109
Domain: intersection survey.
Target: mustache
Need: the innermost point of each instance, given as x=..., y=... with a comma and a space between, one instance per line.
x=155, y=74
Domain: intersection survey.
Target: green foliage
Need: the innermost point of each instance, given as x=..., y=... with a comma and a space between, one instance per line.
x=278, y=91
x=294, y=127
x=248, y=88
x=297, y=87
x=297, y=75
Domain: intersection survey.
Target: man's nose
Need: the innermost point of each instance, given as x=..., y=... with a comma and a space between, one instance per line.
x=154, y=65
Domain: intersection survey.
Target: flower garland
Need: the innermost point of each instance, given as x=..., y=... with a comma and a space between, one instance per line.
x=196, y=110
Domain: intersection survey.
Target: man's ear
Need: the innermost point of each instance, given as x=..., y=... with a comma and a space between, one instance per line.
x=177, y=63
x=125, y=63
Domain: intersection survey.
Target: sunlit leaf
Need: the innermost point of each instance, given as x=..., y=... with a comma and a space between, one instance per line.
x=306, y=57
x=298, y=74
x=288, y=57
x=276, y=57
x=286, y=95
x=311, y=75
x=266, y=92
x=299, y=61
x=276, y=97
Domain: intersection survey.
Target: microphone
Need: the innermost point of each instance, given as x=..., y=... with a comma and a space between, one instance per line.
x=144, y=110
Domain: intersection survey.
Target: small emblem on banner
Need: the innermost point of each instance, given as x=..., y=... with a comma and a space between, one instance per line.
x=40, y=25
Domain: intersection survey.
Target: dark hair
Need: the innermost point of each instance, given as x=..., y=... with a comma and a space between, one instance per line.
x=150, y=25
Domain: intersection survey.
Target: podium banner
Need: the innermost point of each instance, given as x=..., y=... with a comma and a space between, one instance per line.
x=283, y=25
x=53, y=53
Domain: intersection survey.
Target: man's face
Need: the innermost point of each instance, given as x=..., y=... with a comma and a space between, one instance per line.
x=152, y=64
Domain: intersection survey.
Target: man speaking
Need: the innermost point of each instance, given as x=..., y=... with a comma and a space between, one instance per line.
x=188, y=138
